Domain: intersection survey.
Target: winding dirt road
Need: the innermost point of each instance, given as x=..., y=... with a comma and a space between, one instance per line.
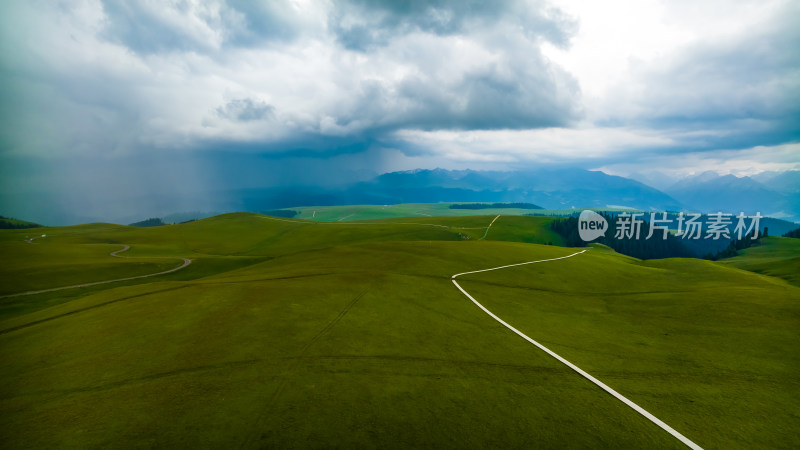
x=115, y=254
x=577, y=369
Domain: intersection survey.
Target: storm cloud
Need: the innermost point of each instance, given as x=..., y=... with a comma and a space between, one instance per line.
x=170, y=70
x=356, y=86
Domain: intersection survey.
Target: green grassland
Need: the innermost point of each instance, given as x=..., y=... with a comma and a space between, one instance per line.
x=290, y=333
x=775, y=256
x=373, y=212
x=38, y=266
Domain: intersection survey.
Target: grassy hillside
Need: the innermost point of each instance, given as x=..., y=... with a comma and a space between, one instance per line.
x=716, y=339
x=775, y=256
x=9, y=223
x=79, y=254
x=42, y=266
x=287, y=333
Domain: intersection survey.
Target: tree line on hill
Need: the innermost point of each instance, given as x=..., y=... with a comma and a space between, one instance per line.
x=736, y=245
x=7, y=223
x=793, y=234
x=653, y=248
x=151, y=222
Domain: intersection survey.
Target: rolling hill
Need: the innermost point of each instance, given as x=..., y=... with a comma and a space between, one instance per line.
x=290, y=333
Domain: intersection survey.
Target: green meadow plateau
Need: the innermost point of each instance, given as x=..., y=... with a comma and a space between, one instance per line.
x=289, y=333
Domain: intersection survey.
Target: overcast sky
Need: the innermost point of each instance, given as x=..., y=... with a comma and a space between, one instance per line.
x=105, y=97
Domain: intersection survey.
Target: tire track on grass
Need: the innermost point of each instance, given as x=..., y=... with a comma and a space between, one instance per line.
x=333, y=322
x=423, y=359
x=141, y=379
x=87, y=308
x=115, y=254
x=577, y=369
x=283, y=377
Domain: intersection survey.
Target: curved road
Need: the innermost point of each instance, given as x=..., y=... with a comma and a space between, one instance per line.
x=487, y=228
x=186, y=262
x=594, y=380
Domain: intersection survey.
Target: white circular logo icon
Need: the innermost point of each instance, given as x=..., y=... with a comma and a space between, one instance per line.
x=591, y=225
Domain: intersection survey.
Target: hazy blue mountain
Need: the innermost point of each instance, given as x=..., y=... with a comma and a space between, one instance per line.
x=550, y=188
x=653, y=178
x=713, y=179
x=784, y=182
x=710, y=192
x=692, y=181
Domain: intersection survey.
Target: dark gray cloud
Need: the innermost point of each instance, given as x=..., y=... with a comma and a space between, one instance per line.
x=498, y=80
x=145, y=29
x=205, y=27
x=260, y=21
x=531, y=94
x=363, y=25
x=512, y=93
x=246, y=110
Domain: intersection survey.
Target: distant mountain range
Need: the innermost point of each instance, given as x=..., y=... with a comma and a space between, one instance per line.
x=786, y=182
x=770, y=193
x=777, y=195
x=549, y=188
